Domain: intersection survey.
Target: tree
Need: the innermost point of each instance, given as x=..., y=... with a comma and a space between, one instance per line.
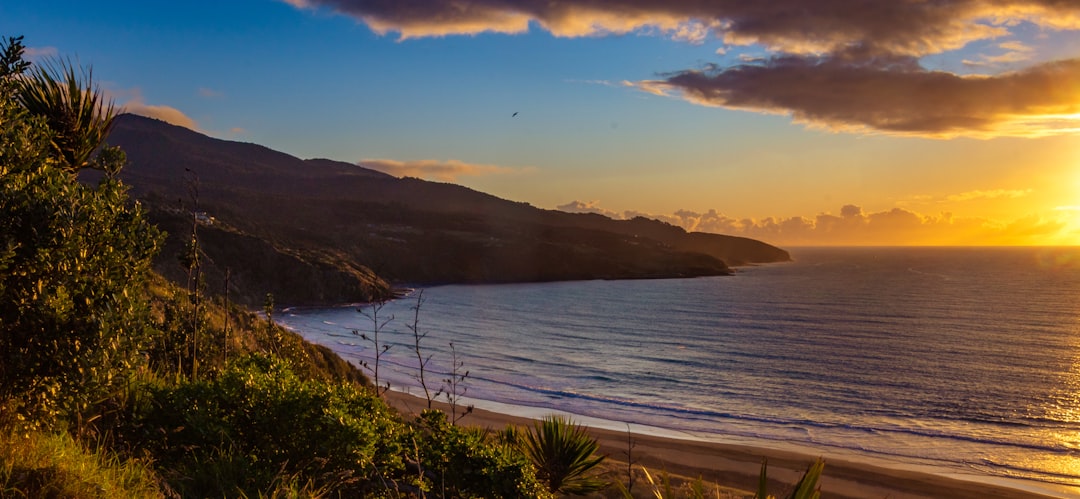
x=73, y=108
x=73, y=260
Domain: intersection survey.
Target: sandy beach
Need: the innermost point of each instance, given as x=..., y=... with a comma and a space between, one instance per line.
x=737, y=466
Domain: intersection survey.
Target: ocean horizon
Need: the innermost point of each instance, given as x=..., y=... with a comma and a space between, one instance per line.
x=959, y=361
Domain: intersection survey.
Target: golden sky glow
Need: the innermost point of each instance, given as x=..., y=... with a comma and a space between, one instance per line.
x=800, y=122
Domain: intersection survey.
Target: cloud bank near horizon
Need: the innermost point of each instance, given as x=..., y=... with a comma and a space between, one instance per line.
x=853, y=226
x=839, y=65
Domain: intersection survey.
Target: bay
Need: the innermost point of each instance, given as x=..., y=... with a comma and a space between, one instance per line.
x=963, y=360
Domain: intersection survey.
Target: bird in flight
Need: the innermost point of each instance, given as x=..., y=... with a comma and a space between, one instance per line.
x=515, y=114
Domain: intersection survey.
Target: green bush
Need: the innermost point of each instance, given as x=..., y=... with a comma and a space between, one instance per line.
x=73, y=261
x=258, y=422
x=462, y=462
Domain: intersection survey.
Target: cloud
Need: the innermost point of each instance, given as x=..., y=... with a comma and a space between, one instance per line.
x=587, y=207
x=891, y=95
x=38, y=53
x=791, y=26
x=839, y=65
x=167, y=114
x=1015, y=52
x=132, y=101
x=446, y=171
x=991, y=194
x=853, y=226
x=209, y=93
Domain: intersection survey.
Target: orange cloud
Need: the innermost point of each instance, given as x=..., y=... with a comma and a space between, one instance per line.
x=854, y=227
x=991, y=194
x=445, y=171
x=132, y=101
x=167, y=114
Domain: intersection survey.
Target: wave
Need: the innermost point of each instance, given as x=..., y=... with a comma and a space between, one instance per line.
x=715, y=415
x=923, y=354
x=1020, y=471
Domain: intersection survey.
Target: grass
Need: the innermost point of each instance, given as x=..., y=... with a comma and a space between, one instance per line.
x=55, y=465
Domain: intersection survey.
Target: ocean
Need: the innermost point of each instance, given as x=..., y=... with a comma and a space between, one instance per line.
x=959, y=361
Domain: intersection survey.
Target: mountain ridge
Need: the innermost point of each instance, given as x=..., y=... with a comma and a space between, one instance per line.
x=367, y=228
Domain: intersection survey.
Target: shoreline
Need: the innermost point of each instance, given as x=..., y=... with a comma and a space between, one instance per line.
x=737, y=465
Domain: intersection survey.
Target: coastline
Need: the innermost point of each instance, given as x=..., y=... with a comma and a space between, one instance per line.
x=736, y=466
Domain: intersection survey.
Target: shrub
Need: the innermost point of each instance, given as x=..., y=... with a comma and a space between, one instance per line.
x=258, y=422
x=462, y=462
x=73, y=260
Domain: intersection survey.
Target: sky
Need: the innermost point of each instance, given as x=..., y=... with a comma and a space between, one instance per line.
x=798, y=122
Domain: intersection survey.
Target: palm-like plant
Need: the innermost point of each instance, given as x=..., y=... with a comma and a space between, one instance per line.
x=72, y=106
x=563, y=454
x=806, y=488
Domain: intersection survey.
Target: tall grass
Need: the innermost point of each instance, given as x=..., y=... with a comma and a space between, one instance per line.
x=55, y=465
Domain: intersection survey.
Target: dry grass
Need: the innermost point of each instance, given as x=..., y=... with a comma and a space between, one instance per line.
x=55, y=465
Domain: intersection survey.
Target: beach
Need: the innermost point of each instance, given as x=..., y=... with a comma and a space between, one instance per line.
x=945, y=362
x=735, y=467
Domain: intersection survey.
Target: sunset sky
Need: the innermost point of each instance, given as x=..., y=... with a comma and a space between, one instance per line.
x=798, y=122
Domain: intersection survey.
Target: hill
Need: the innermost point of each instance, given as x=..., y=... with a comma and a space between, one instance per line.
x=320, y=231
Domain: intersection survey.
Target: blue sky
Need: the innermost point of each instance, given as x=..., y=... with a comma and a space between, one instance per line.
x=715, y=116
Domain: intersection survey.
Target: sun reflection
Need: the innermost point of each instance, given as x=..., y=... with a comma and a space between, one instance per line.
x=1062, y=414
x=1059, y=258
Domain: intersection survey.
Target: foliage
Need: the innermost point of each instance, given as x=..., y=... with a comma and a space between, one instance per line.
x=460, y=462
x=23, y=141
x=55, y=465
x=806, y=488
x=73, y=259
x=74, y=109
x=258, y=421
x=661, y=487
x=564, y=456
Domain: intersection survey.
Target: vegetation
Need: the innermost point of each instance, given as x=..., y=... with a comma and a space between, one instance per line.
x=115, y=382
x=73, y=262
x=564, y=455
x=76, y=112
x=466, y=462
x=257, y=420
x=55, y=465
x=806, y=488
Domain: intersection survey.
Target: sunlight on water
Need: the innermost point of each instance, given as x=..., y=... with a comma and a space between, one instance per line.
x=1058, y=258
x=966, y=360
x=1064, y=406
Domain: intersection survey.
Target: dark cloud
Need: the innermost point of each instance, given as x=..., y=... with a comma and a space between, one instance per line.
x=850, y=65
x=911, y=27
x=892, y=96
